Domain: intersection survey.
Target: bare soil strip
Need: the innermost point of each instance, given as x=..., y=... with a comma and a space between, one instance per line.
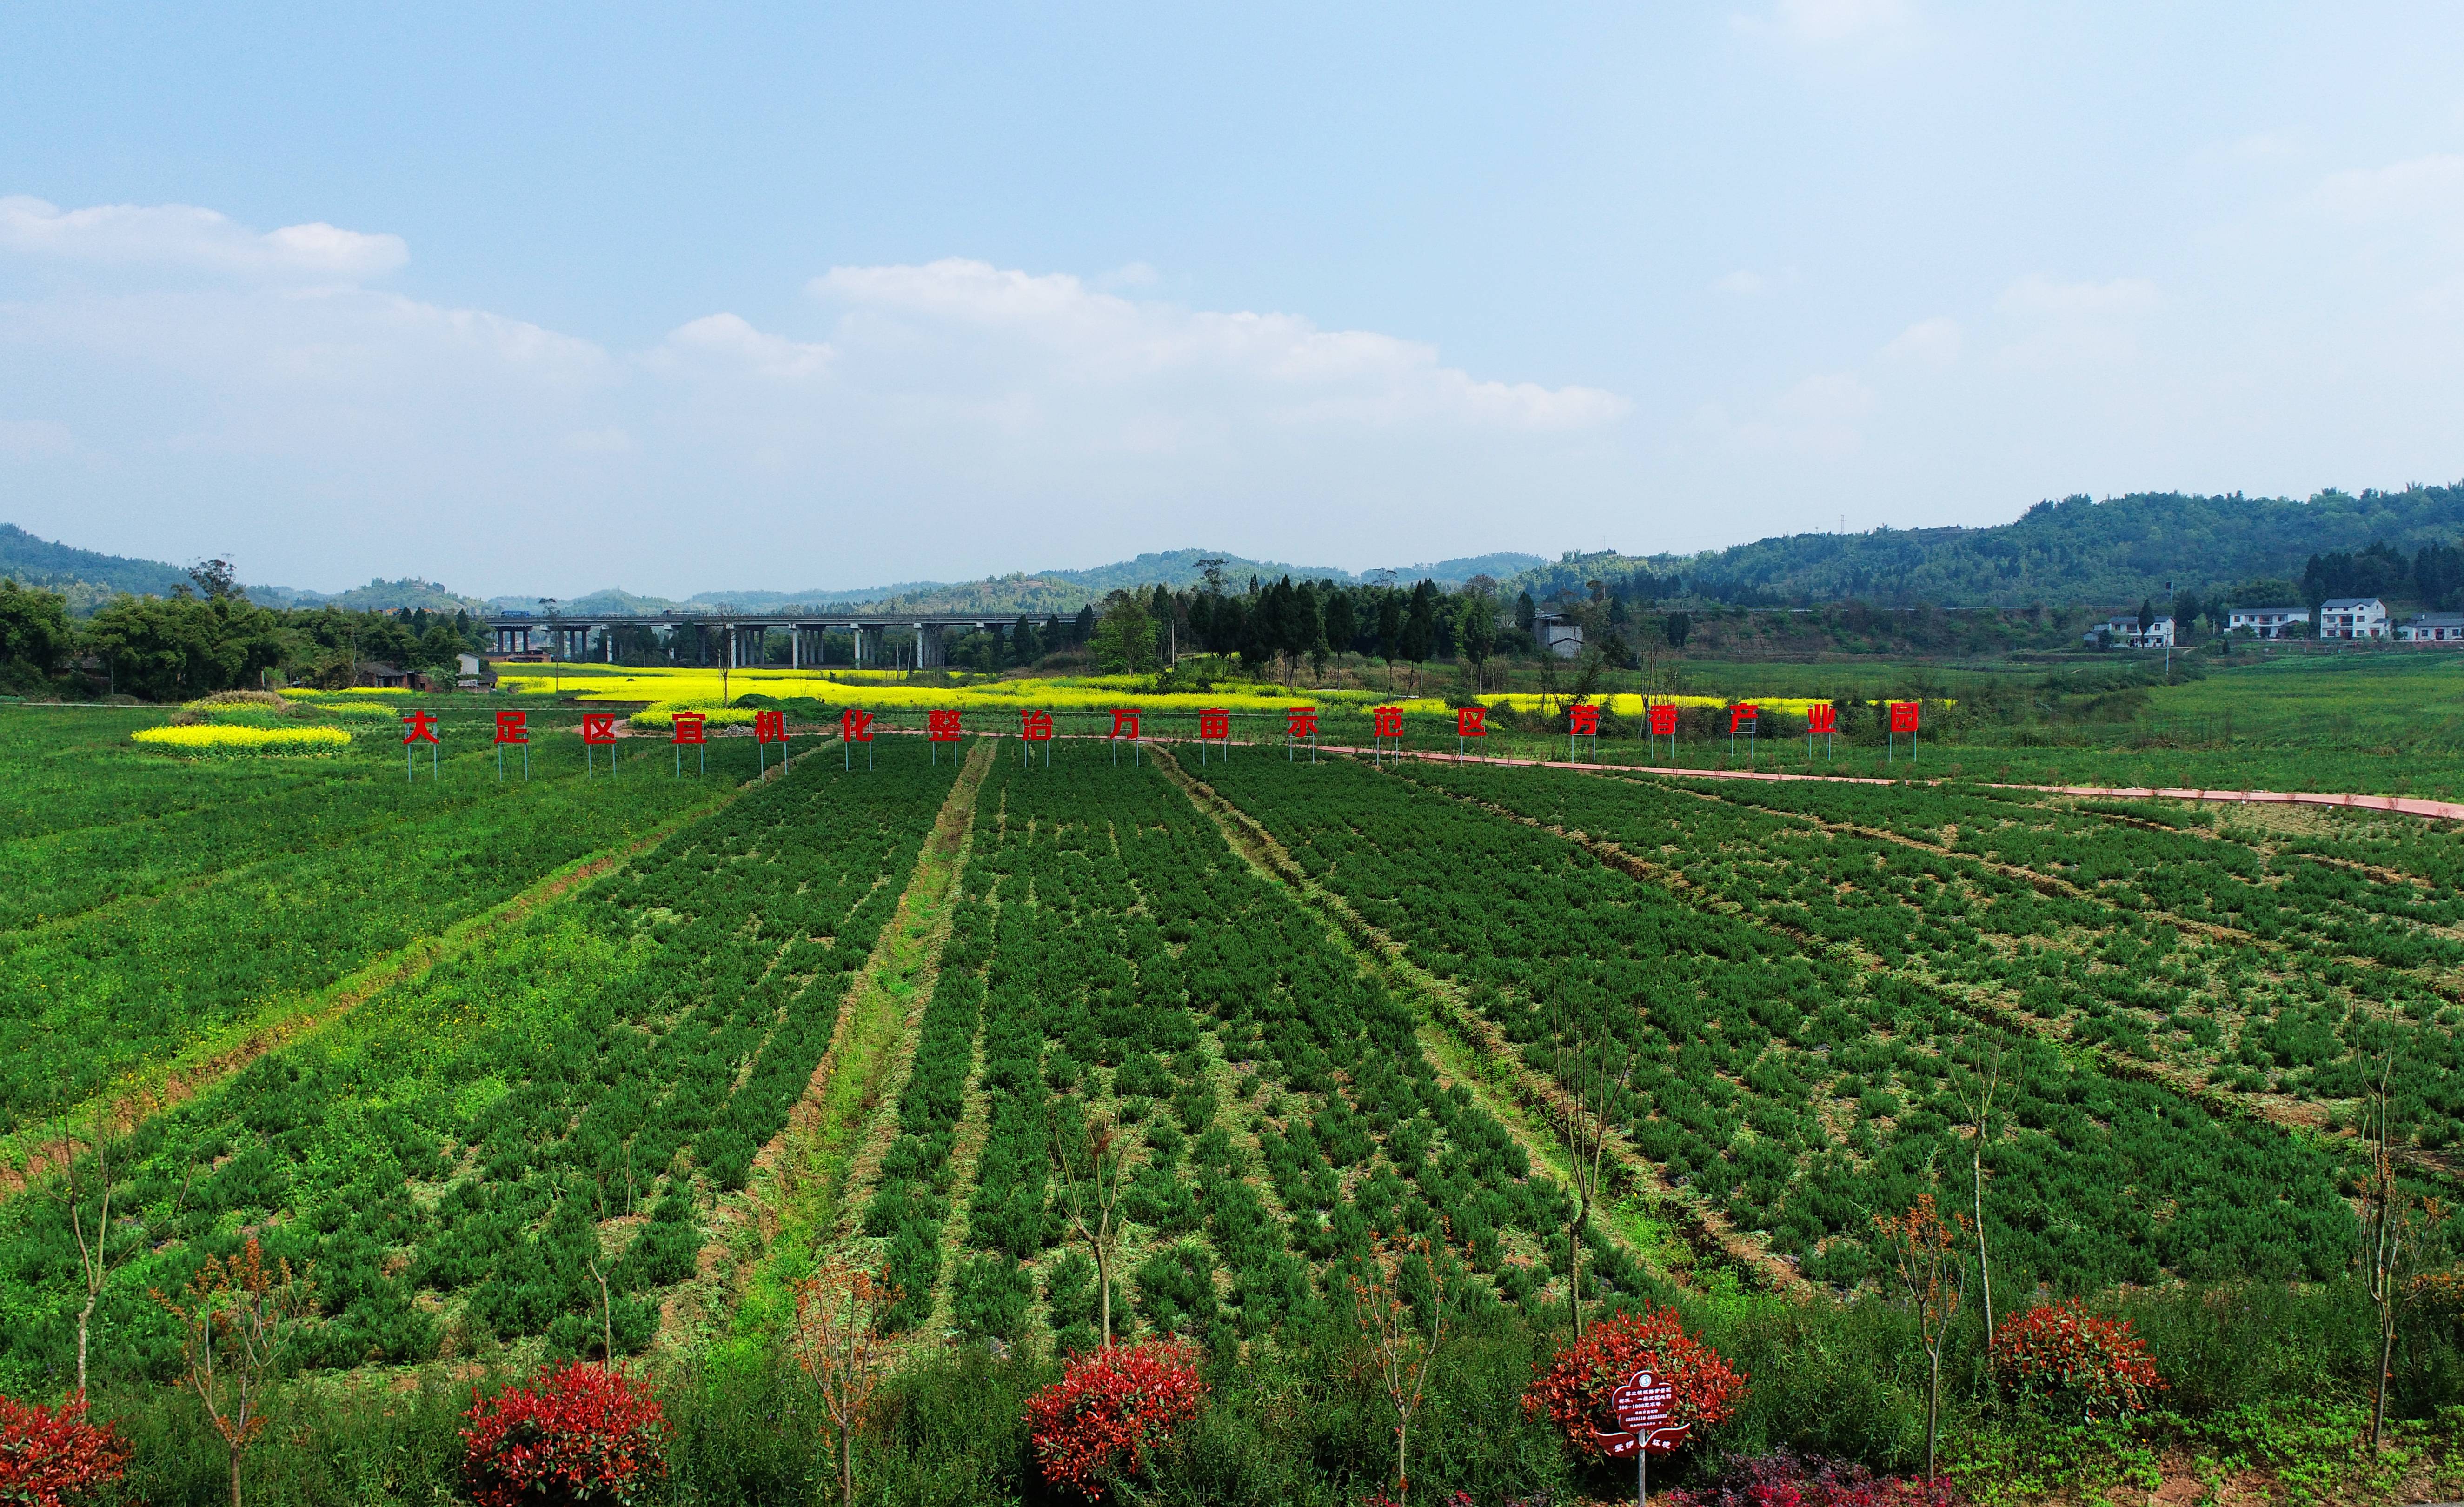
x=807, y=1181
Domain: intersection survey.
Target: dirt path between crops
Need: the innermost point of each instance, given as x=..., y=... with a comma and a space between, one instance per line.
x=1453, y=1019
x=804, y=1179
x=133, y=1104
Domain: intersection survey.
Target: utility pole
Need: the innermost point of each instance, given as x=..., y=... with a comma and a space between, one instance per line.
x=2172, y=629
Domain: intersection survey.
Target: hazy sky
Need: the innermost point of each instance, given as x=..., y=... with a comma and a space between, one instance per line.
x=553, y=298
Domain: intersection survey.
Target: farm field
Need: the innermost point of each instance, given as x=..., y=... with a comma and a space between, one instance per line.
x=163, y=907
x=1316, y=1010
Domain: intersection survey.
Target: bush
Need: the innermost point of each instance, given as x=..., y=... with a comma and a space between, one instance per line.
x=2061, y=1352
x=50, y=1455
x=1573, y=1392
x=1787, y=1478
x=576, y=1431
x=1110, y=1412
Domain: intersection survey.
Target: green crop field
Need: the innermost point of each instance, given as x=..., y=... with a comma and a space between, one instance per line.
x=539, y=1069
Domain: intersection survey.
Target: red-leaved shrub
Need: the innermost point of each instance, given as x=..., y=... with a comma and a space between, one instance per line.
x=1573, y=1392
x=573, y=1432
x=1787, y=1478
x=50, y=1455
x=1110, y=1410
x=2061, y=1351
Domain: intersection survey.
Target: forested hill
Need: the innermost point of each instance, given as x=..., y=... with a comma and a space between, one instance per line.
x=2074, y=551
x=80, y=574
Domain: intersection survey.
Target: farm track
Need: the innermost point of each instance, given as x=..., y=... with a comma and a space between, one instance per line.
x=153, y=1091
x=1454, y=1029
x=807, y=1179
x=1965, y=999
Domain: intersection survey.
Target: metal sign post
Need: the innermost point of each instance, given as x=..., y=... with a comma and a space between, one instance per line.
x=1642, y=1404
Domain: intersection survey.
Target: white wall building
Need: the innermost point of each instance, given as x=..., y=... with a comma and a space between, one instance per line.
x=2124, y=632
x=2434, y=628
x=1557, y=635
x=2267, y=622
x=2352, y=617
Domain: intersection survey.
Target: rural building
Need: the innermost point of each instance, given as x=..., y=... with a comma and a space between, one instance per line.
x=2123, y=631
x=2352, y=617
x=2434, y=628
x=1558, y=635
x=378, y=673
x=472, y=673
x=2267, y=622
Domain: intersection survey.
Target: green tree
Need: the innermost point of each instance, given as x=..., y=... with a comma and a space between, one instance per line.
x=180, y=647
x=1526, y=611
x=1679, y=627
x=1083, y=627
x=1418, y=637
x=1341, y=627
x=1390, y=628
x=34, y=629
x=1123, y=642
x=1476, y=627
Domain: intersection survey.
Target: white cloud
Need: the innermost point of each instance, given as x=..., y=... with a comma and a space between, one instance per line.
x=1824, y=22
x=907, y=420
x=34, y=439
x=1927, y=342
x=182, y=235
x=2067, y=324
x=1049, y=345
x=2426, y=192
x=1822, y=416
x=1741, y=282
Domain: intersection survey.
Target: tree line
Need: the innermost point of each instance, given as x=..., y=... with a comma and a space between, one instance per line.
x=208, y=636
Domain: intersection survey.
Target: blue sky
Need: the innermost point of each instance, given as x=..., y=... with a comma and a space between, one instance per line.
x=677, y=300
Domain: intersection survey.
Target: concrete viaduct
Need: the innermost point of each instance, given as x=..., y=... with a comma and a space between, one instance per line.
x=567, y=638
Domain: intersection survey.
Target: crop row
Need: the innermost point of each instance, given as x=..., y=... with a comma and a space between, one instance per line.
x=218, y=921
x=1114, y=961
x=456, y=1153
x=1798, y=1088
x=2171, y=946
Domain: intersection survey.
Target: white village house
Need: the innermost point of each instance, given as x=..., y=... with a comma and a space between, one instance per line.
x=2434, y=628
x=2352, y=617
x=2123, y=630
x=2266, y=622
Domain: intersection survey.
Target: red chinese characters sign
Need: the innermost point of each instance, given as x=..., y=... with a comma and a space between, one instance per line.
x=1740, y=714
x=1214, y=723
x=770, y=727
x=1822, y=717
x=419, y=727
x=1300, y=721
x=1471, y=721
x=855, y=727
x=599, y=728
x=1904, y=717
x=1386, y=722
x=1583, y=720
x=1641, y=1406
x=1035, y=726
x=1125, y=721
x=941, y=726
x=1664, y=720
x=691, y=727
x=512, y=728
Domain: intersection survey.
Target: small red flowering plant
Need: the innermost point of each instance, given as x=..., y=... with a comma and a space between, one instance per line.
x=1573, y=1392
x=1110, y=1411
x=51, y=1457
x=2060, y=1352
x=572, y=1433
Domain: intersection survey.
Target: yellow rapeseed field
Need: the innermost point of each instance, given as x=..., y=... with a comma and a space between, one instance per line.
x=223, y=737
x=701, y=689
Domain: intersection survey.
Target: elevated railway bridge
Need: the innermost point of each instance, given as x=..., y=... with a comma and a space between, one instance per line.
x=568, y=636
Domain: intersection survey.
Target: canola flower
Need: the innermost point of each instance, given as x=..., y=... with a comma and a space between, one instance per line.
x=701, y=689
x=226, y=738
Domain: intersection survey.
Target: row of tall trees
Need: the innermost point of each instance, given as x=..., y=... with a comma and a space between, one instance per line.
x=208, y=636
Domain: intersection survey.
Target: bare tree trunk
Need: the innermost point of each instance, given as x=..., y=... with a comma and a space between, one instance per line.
x=2386, y=1361
x=846, y=1466
x=1983, y=1270
x=234, y=1475
x=1933, y=1410
x=1104, y=1292
x=1574, y=1270
x=85, y=1316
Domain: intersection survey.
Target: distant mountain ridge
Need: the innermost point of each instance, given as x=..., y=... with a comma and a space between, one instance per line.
x=2073, y=552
